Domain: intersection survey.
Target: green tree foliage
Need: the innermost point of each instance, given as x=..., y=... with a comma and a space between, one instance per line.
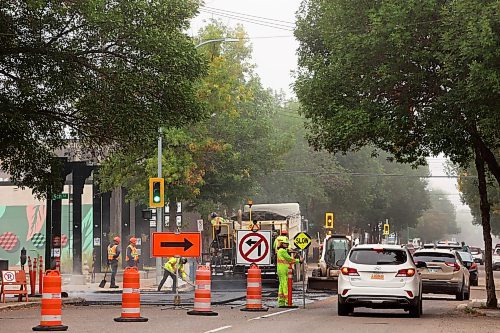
x=413, y=78
x=105, y=73
x=213, y=163
x=361, y=188
x=438, y=221
x=467, y=185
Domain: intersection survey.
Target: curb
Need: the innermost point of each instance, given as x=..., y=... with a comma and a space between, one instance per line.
x=27, y=305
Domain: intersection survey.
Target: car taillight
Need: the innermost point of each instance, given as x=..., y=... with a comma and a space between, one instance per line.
x=473, y=266
x=349, y=271
x=456, y=267
x=406, y=272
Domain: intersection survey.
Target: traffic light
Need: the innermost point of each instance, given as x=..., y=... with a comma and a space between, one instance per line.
x=156, y=192
x=329, y=218
x=386, y=229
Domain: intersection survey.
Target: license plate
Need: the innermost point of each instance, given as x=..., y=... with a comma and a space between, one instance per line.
x=433, y=270
x=377, y=276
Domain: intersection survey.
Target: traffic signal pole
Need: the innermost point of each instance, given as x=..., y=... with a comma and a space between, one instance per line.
x=159, y=210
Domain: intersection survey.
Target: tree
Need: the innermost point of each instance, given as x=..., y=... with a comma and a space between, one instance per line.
x=104, y=73
x=414, y=78
x=361, y=188
x=213, y=163
x=438, y=221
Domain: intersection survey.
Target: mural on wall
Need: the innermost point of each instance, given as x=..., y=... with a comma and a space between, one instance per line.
x=24, y=226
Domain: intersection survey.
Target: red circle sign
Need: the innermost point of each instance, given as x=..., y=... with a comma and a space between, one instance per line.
x=255, y=246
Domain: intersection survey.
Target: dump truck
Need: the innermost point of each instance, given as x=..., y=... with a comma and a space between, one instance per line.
x=334, y=252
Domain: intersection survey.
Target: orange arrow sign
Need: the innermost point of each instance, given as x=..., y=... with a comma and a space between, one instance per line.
x=169, y=244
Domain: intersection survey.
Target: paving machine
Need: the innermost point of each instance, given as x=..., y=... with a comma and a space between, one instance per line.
x=226, y=271
x=334, y=252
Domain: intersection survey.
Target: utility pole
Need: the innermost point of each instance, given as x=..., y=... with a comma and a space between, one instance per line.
x=159, y=210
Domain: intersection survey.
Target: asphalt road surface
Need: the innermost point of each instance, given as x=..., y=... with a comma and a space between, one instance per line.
x=440, y=315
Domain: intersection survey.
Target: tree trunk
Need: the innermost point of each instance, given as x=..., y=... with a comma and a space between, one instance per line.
x=486, y=154
x=485, y=221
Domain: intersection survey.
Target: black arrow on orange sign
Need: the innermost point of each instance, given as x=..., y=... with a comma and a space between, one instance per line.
x=186, y=244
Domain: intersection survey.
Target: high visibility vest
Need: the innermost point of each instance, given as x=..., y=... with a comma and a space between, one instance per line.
x=284, y=259
x=217, y=221
x=173, y=265
x=112, y=251
x=133, y=253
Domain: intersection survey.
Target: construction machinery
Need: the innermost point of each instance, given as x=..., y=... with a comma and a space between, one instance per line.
x=334, y=252
x=223, y=248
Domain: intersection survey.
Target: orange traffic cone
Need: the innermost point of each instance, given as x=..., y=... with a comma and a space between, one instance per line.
x=131, y=297
x=254, y=290
x=202, y=293
x=51, y=303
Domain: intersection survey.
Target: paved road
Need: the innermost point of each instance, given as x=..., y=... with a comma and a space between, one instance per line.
x=321, y=316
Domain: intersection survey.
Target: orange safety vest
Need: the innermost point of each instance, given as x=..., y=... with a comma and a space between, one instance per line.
x=133, y=253
x=112, y=251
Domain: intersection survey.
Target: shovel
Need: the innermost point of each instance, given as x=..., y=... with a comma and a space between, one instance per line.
x=103, y=282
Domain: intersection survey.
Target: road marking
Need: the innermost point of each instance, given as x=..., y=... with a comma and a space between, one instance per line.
x=272, y=314
x=218, y=329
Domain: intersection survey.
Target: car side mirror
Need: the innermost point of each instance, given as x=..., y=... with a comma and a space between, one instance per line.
x=421, y=264
x=340, y=262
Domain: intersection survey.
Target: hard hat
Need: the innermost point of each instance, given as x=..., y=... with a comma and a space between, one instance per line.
x=184, y=260
x=117, y=239
x=133, y=240
x=214, y=214
x=284, y=232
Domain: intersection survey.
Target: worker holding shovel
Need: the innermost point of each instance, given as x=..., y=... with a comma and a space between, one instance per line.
x=171, y=267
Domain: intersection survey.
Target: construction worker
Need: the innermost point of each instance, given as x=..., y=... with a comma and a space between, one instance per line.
x=283, y=261
x=171, y=267
x=283, y=237
x=132, y=256
x=113, y=256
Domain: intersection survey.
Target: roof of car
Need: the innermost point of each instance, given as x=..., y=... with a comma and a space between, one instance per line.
x=435, y=250
x=378, y=246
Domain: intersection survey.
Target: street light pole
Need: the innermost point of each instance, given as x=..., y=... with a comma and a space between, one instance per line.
x=159, y=210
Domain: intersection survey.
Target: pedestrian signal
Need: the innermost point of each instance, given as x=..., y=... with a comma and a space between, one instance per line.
x=156, y=192
x=329, y=219
x=386, y=229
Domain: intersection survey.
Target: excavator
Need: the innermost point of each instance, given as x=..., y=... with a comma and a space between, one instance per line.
x=334, y=252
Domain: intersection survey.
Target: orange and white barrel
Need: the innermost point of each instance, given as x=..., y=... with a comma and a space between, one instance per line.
x=202, y=293
x=131, y=297
x=254, y=289
x=51, y=303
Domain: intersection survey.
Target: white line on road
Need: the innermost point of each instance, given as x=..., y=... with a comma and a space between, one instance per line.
x=272, y=314
x=218, y=329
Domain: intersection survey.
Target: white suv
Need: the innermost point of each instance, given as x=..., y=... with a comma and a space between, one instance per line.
x=380, y=276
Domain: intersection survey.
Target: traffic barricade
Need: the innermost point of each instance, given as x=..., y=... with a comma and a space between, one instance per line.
x=202, y=293
x=254, y=290
x=51, y=309
x=131, y=297
x=14, y=278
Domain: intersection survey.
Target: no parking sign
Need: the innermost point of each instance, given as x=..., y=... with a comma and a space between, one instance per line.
x=253, y=247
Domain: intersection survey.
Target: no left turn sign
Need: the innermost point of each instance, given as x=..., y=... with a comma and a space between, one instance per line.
x=253, y=247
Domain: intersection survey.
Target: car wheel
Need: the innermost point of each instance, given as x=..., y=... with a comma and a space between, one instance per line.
x=316, y=272
x=461, y=294
x=467, y=294
x=474, y=283
x=344, y=309
x=416, y=310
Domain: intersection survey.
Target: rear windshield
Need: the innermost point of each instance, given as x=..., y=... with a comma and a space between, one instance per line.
x=434, y=257
x=465, y=256
x=378, y=257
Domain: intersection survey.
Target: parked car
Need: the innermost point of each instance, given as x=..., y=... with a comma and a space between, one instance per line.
x=380, y=276
x=445, y=273
x=471, y=265
x=477, y=253
x=496, y=258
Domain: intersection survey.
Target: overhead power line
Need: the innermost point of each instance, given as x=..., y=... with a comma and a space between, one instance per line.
x=249, y=15
x=250, y=20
